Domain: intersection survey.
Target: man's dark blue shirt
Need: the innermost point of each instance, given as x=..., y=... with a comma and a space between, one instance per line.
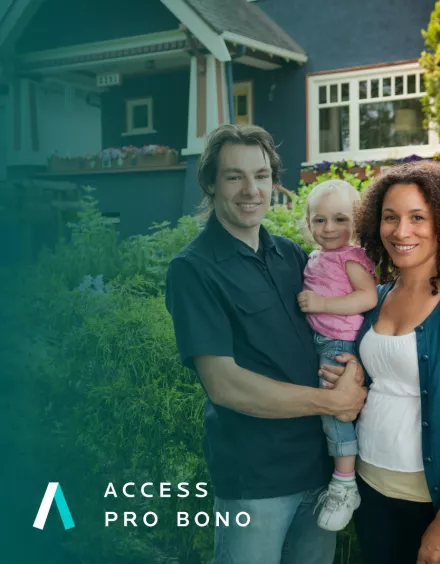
x=227, y=300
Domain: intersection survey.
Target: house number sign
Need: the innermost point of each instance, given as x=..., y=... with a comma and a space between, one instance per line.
x=109, y=79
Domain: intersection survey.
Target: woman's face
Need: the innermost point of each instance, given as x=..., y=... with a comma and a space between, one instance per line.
x=407, y=228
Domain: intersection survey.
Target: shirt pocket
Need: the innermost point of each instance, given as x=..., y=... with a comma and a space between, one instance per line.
x=254, y=302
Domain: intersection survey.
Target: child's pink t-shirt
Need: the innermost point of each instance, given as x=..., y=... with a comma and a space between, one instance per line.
x=326, y=275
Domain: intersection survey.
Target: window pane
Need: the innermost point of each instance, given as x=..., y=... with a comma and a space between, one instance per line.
x=422, y=83
x=399, y=85
x=140, y=117
x=411, y=85
x=375, y=88
x=345, y=92
x=242, y=105
x=323, y=94
x=386, y=87
x=334, y=129
x=363, y=89
x=391, y=124
x=334, y=93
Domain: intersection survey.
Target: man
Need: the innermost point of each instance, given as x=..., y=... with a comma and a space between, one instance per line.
x=232, y=296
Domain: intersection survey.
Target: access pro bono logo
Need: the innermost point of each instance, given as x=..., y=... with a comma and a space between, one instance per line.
x=53, y=493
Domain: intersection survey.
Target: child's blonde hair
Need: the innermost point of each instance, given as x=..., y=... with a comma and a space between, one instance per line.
x=329, y=186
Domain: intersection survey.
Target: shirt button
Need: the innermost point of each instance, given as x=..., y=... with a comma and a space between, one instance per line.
x=428, y=459
x=435, y=489
x=424, y=423
x=419, y=328
x=424, y=392
x=425, y=357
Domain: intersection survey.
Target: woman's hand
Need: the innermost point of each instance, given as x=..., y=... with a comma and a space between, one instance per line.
x=332, y=373
x=429, y=552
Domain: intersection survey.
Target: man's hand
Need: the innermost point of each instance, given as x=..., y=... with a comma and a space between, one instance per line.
x=429, y=552
x=331, y=374
x=311, y=302
x=351, y=395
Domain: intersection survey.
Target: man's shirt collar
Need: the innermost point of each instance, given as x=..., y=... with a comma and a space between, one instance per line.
x=226, y=245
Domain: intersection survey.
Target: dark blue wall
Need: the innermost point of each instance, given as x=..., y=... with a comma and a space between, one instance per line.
x=140, y=198
x=71, y=22
x=278, y=107
x=170, y=93
x=336, y=35
x=192, y=194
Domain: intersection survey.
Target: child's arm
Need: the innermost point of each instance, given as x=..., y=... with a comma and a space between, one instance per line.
x=363, y=297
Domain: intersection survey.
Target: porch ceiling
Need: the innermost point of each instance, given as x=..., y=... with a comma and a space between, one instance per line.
x=147, y=54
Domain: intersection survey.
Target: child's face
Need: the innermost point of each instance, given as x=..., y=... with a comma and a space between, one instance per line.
x=330, y=219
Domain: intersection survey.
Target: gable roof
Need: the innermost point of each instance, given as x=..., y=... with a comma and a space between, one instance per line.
x=241, y=19
x=213, y=22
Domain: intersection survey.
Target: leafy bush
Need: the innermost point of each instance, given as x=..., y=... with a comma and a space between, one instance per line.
x=113, y=403
x=123, y=409
x=429, y=61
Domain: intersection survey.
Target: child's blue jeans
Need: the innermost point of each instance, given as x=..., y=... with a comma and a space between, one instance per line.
x=341, y=437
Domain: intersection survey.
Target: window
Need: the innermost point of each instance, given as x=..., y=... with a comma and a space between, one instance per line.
x=369, y=114
x=139, y=116
x=243, y=103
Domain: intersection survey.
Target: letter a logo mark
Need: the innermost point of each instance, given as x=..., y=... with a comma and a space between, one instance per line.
x=53, y=491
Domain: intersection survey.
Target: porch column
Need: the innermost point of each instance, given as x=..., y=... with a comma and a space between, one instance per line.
x=208, y=101
x=23, y=130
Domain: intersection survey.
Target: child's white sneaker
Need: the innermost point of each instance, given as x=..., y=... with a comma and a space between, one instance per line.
x=338, y=504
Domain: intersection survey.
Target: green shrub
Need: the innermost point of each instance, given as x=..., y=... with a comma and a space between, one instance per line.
x=429, y=61
x=150, y=255
x=123, y=409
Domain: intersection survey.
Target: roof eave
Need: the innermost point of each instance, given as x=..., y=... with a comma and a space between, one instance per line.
x=17, y=16
x=199, y=28
x=285, y=54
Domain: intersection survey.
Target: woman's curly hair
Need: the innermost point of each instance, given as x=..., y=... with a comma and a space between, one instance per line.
x=426, y=175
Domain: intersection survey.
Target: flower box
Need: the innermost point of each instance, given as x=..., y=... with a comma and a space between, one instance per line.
x=151, y=161
x=92, y=163
x=149, y=156
x=75, y=164
x=60, y=164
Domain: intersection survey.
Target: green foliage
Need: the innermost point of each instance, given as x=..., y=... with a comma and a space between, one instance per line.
x=430, y=62
x=111, y=400
x=150, y=255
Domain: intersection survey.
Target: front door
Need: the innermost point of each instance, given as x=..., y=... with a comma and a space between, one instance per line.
x=243, y=103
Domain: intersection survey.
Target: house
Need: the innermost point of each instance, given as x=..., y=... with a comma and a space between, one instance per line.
x=330, y=83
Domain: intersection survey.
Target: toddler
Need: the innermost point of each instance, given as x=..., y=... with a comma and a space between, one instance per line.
x=339, y=285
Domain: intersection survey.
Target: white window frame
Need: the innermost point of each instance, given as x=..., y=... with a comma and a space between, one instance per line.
x=354, y=152
x=129, y=105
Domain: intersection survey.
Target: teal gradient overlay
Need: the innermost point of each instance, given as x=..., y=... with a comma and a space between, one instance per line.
x=63, y=508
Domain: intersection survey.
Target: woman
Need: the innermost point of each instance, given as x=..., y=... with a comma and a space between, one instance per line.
x=399, y=345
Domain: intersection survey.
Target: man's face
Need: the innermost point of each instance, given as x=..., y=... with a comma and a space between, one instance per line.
x=243, y=187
